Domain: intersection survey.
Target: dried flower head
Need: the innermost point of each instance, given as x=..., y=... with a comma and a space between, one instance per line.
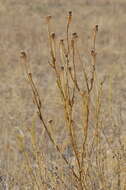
x=50, y=121
x=93, y=53
x=70, y=13
x=30, y=75
x=48, y=18
x=96, y=27
x=62, y=68
x=61, y=40
x=53, y=35
x=74, y=35
x=23, y=54
x=69, y=17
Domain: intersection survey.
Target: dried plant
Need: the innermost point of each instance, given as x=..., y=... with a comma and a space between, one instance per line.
x=86, y=137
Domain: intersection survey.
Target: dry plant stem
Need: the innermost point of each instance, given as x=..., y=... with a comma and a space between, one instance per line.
x=68, y=115
x=65, y=78
x=30, y=171
x=68, y=53
x=68, y=25
x=49, y=37
x=96, y=136
x=37, y=102
x=86, y=102
x=68, y=107
x=74, y=81
x=65, y=54
x=53, y=51
x=68, y=103
x=63, y=84
x=74, y=77
x=98, y=109
x=95, y=30
x=63, y=91
x=52, y=46
x=119, y=172
x=71, y=127
x=36, y=154
x=52, y=140
x=27, y=158
x=84, y=71
x=93, y=54
x=97, y=139
x=86, y=98
x=71, y=132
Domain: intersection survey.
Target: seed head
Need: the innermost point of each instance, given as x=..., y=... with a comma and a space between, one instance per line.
x=61, y=40
x=96, y=27
x=69, y=17
x=62, y=68
x=75, y=36
x=48, y=18
x=53, y=35
x=70, y=69
x=50, y=121
x=93, y=53
x=23, y=54
x=30, y=75
x=70, y=13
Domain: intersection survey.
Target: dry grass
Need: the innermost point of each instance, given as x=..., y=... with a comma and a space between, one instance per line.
x=74, y=135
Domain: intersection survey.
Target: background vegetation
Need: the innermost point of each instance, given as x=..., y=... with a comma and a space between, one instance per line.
x=28, y=160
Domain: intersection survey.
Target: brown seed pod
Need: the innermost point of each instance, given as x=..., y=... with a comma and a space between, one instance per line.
x=23, y=54
x=53, y=35
x=62, y=68
x=93, y=53
x=48, y=18
x=74, y=35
